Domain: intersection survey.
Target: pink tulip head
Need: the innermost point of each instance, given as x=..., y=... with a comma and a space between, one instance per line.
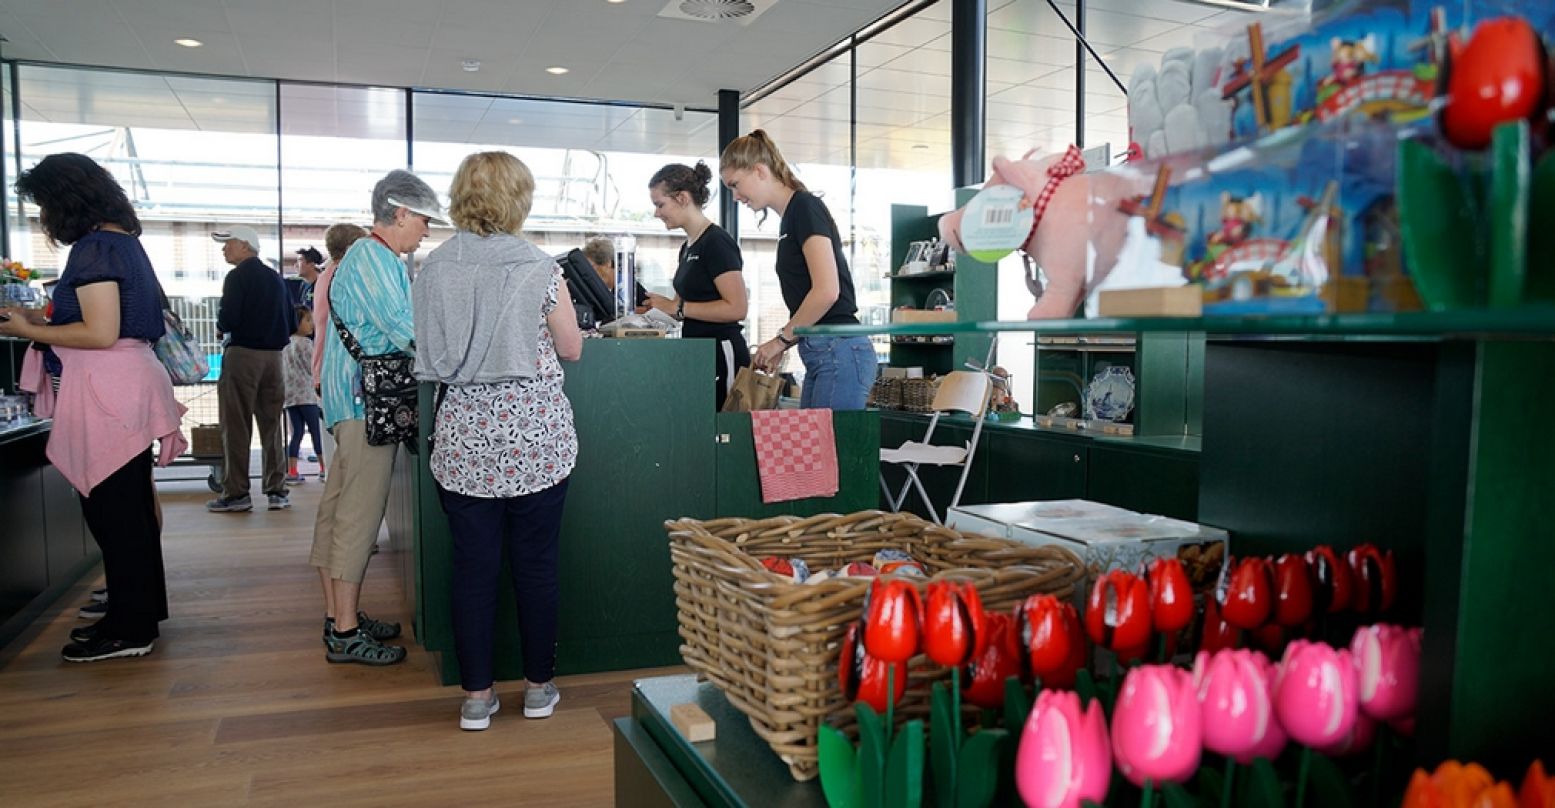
x=1156, y=727
x=1357, y=741
x=1236, y=704
x=1064, y=757
x=1315, y=694
x=1387, y=669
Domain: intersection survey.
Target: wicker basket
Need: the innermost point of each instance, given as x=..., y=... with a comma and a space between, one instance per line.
x=918, y=394
x=771, y=645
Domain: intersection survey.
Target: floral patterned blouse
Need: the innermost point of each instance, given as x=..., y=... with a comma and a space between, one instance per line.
x=509, y=438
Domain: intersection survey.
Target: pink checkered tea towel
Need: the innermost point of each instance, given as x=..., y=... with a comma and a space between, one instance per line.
x=796, y=454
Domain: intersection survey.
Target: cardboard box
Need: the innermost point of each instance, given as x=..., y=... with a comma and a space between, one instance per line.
x=923, y=316
x=205, y=441
x=1105, y=537
x=1166, y=301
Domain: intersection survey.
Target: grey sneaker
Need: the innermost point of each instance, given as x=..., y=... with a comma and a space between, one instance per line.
x=380, y=629
x=362, y=649
x=540, y=701
x=476, y=713
x=279, y=502
x=230, y=504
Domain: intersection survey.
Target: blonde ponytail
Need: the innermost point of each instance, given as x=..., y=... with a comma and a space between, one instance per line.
x=747, y=151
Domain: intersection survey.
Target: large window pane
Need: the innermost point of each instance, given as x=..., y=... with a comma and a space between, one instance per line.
x=591, y=162
x=336, y=143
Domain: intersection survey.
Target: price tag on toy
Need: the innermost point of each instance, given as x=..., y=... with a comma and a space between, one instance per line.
x=996, y=222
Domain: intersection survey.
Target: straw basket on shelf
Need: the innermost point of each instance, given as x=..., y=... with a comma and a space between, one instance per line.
x=771, y=645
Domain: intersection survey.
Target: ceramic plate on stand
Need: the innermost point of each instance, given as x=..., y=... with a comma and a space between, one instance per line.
x=1110, y=395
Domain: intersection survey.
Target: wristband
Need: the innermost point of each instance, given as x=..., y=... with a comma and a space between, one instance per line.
x=787, y=343
x=680, y=310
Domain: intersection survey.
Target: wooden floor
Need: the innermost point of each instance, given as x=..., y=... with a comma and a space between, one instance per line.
x=237, y=706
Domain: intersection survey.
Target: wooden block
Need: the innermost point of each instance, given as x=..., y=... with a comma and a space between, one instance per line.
x=694, y=724
x=923, y=316
x=1169, y=301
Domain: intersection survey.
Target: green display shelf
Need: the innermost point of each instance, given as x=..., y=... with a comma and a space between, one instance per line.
x=1515, y=323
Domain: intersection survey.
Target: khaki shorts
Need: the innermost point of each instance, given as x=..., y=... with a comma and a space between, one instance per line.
x=355, y=497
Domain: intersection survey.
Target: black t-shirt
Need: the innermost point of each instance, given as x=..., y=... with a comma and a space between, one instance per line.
x=807, y=216
x=714, y=253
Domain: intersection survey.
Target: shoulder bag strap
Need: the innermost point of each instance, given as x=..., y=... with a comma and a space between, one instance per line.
x=352, y=346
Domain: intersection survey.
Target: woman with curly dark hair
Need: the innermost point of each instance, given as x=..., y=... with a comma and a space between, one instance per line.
x=95, y=374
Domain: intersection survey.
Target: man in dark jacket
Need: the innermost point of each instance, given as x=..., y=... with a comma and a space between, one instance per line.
x=258, y=319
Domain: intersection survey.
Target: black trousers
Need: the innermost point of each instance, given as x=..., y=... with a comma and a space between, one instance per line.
x=732, y=354
x=122, y=514
x=529, y=527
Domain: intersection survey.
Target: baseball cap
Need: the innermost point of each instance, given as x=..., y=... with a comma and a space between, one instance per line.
x=312, y=254
x=239, y=232
x=430, y=210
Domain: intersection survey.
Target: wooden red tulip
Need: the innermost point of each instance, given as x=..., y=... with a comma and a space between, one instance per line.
x=1000, y=659
x=1217, y=634
x=864, y=678
x=1171, y=595
x=1043, y=634
x=1292, y=590
x=891, y=615
x=1331, y=580
x=955, y=630
x=1118, y=613
x=1079, y=652
x=1501, y=74
x=1246, y=593
x=1376, y=579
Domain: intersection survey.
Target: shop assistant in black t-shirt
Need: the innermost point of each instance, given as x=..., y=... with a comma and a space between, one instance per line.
x=714, y=253
x=807, y=216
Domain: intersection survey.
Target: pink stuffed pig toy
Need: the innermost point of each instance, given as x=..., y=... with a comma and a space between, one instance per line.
x=1059, y=243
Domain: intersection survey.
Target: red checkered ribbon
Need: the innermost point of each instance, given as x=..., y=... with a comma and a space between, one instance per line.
x=1072, y=163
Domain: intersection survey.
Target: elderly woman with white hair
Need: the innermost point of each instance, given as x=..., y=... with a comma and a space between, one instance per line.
x=369, y=293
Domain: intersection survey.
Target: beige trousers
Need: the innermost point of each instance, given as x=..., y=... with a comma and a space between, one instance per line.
x=355, y=496
x=251, y=389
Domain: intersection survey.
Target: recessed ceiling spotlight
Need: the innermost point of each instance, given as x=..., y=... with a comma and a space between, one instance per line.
x=615, y=2
x=556, y=70
x=922, y=146
x=515, y=121
x=188, y=43
x=470, y=65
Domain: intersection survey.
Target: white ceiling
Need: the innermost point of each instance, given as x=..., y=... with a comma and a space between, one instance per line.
x=613, y=51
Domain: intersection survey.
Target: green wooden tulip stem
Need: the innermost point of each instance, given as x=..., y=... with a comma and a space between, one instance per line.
x=1160, y=648
x=890, y=703
x=1301, y=777
x=1148, y=796
x=1225, y=793
x=955, y=716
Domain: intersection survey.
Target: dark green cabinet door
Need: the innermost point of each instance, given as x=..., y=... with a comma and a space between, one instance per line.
x=1144, y=481
x=1024, y=468
x=858, y=461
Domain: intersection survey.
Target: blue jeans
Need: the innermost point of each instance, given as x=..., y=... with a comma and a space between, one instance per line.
x=838, y=372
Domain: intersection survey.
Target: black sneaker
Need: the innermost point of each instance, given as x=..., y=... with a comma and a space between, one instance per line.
x=93, y=610
x=379, y=629
x=100, y=595
x=99, y=648
x=84, y=634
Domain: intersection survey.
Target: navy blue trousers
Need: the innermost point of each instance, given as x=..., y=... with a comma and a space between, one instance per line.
x=529, y=527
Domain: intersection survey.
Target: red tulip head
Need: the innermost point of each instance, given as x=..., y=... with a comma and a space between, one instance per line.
x=1044, y=634
x=955, y=630
x=1217, y=633
x=1245, y=592
x=862, y=677
x=1236, y=704
x=1500, y=75
x=1064, y=757
x=1315, y=695
x=1331, y=581
x=1156, y=727
x=1270, y=638
x=1387, y=668
x=1171, y=595
x=1117, y=616
x=1292, y=591
x=1000, y=659
x=1376, y=579
x=1538, y=789
x=1079, y=652
x=892, y=611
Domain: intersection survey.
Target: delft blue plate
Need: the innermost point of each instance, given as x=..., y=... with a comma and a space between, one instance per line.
x=1110, y=396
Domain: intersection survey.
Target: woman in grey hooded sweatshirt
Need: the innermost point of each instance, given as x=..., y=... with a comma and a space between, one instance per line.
x=492, y=320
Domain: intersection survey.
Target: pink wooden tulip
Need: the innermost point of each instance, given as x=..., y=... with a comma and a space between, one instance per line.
x=1236, y=706
x=1387, y=669
x=1156, y=730
x=1315, y=694
x=1359, y=740
x=1063, y=756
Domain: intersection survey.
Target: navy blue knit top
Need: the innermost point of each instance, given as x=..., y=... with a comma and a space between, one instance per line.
x=103, y=256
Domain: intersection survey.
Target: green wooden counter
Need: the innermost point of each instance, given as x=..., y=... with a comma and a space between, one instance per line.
x=650, y=448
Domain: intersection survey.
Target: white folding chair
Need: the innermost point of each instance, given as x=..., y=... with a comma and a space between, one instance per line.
x=960, y=391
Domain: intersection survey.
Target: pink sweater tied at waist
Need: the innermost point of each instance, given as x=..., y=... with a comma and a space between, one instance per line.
x=112, y=403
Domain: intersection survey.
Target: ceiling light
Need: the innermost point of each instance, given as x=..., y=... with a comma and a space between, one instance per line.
x=556, y=70
x=188, y=43
x=470, y=65
x=615, y=2
x=515, y=121
x=923, y=146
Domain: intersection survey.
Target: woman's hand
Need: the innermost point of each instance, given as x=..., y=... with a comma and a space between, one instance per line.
x=769, y=356
x=662, y=303
x=14, y=322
